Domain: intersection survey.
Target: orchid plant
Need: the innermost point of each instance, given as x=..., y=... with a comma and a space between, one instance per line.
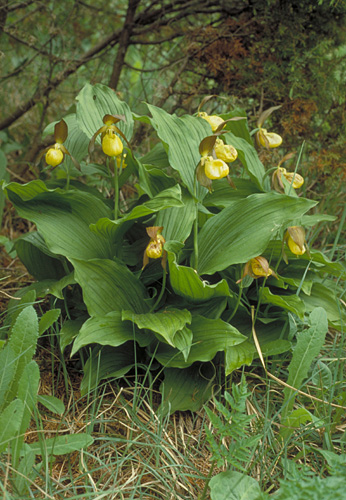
x=162, y=263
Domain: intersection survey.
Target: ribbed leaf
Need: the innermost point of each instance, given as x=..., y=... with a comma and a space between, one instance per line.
x=243, y=230
x=10, y=420
x=7, y=369
x=323, y=296
x=224, y=195
x=107, y=362
x=63, y=218
x=188, y=284
x=52, y=403
x=288, y=302
x=209, y=337
x=108, y=285
x=94, y=102
x=182, y=136
x=48, y=319
x=186, y=389
x=177, y=221
x=233, y=485
x=165, y=323
x=109, y=330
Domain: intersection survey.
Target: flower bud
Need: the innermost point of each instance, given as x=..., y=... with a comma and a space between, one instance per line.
x=260, y=267
x=111, y=144
x=215, y=169
x=298, y=180
x=225, y=152
x=54, y=156
x=295, y=239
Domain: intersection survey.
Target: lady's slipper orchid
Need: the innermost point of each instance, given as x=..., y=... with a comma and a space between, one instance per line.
x=154, y=249
x=213, y=120
x=121, y=161
x=257, y=267
x=225, y=152
x=298, y=180
x=111, y=142
x=215, y=169
x=268, y=139
x=55, y=153
x=295, y=239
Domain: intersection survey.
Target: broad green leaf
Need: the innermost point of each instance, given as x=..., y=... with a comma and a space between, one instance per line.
x=323, y=296
x=186, y=283
x=238, y=127
x=171, y=197
x=233, y=485
x=26, y=470
x=22, y=342
x=248, y=156
x=293, y=421
x=288, y=302
x=243, y=230
x=52, y=403
x=61, y=445
x=165, y=323
x=69, y=331
x=309, y=345
x=63, y=218
x=239, y=355
x=186, y=389
x=96, y=101
x=108, y=285
x=224, y=195
x=109, y=330
x=107, y=362
x=322, y=375
x=182, y=137
x=177, y=221
x=183, y=341
x=209, y=337
x=48, y=319
x=157, y=157
x=10, y=420
x=39, y=261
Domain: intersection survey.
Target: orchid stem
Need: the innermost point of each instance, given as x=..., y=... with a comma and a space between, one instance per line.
x=195, y=226
x=67, y=187
x=116, y=189
x=237, y=304
x=163, y=288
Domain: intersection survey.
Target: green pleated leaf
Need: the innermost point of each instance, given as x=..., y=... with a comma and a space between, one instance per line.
x=107, y=362
x=324, y=296
x=69, y=331
x=233, y=485
x=209, y=337
x=108, y=285
x=165, y=323
x=96, y=101
x=243, y=230
x=61, y=445
x=248, y=156
x=42, y=264
x=171, y=197
x=239, y=355
x=63, y=218
x=177, y=221
x=288, y=302
x=224, y=195
x=109, y=330
x=183, y=341
x=182, y=137
x=186, y=389
x=186, y=283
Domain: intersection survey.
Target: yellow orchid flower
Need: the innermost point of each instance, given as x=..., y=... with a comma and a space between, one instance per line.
x=295, y=239
x=154, y=249
x=215, y=168
x=213, y=120
x=268, y=139
x=298, y=180
x=121, y=159
x=225, y=152
x=110, y=141
x=257, y=267
x=55, y=153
